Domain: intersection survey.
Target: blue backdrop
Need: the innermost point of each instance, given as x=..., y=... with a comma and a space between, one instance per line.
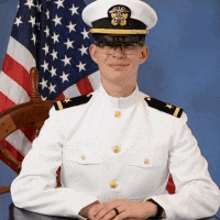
x=183, y=69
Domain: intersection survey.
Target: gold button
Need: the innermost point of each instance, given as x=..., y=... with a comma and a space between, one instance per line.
x=117, y=114
x=146, y=161
x=83, y=157
x=116, y=149
x=113, y=184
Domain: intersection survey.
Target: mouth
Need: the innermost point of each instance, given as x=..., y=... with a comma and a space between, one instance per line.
x=118, y=65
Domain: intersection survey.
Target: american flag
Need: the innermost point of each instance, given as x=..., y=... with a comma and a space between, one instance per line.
x=49, y=35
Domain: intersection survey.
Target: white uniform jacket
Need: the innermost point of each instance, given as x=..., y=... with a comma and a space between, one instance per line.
x=115, y=147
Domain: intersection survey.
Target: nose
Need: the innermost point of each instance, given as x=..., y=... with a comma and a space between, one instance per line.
x=119, y=52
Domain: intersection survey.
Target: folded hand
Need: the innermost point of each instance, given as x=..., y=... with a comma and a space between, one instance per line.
x=119, y=209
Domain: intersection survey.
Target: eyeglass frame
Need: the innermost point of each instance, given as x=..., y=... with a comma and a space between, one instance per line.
x=122, y=46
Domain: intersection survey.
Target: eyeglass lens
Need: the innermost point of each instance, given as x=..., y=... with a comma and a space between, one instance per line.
x=128, y=49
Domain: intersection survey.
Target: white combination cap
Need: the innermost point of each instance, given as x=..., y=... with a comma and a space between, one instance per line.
x=119, y=17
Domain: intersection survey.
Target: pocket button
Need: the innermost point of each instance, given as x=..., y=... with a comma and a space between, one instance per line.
x=113, y=184
x=116, y=149
x=117, y=114
x=146, y=161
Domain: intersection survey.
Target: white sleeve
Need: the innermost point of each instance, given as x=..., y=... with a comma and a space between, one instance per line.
x=197, y=196
x=34, y=188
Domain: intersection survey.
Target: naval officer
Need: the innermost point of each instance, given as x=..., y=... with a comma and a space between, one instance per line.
x=117, y=147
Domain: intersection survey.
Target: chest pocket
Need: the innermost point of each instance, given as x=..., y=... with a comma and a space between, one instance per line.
x=84, y=154
x=146, y=159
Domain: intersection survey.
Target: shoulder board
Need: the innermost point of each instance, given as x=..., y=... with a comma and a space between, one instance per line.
x=66, y=103
x=165, y=107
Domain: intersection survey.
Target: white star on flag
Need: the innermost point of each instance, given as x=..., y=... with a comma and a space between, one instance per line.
x=59, y=3
x=74, y=10
x=48, y=14
x=57, y=20
x=34, y=39
x=47, y=31
x=64, y=77
x=55, y=38
x=53, y=71
x=18, y=21
x=45, y=65
x=54, y=54
x=43, y=83
x=81, y=66
x=46, y=49
x=71, y=27
x=52, y=88
x=66, y=60
x=69, y=44
x=83, y=50
x=38, y=6
x=32, y=21
x=38, y=25
x=85, y=34
x=29, y=3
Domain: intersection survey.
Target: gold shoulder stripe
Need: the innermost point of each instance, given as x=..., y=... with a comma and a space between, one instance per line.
x=177, y=110
x=59, y=104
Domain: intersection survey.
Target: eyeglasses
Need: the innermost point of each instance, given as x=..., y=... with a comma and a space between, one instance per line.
x=127, y=48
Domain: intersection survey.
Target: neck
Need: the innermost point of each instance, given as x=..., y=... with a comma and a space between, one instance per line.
x=119, y=90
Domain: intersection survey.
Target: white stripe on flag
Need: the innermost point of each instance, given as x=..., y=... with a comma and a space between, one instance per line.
x=18, y=140
x=71, y=92
x=20, y=54
x=12, y=90
x=94, y=79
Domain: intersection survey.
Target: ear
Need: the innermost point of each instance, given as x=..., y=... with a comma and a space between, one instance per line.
x=144, y=54
x=93, y=52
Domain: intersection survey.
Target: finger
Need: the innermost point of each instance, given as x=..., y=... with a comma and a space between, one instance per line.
x=110, y=215
x=117, y=214
x=93, y=211
x=122, y=215
x=96, y=210
x=103, y=210
x=106, y=213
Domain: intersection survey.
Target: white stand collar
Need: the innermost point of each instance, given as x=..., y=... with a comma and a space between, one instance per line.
x=119, y=103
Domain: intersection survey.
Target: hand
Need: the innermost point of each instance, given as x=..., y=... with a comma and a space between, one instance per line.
x=127, y=210
x=87, y=212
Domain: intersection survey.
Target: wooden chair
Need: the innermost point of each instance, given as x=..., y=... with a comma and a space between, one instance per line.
x=33, y=113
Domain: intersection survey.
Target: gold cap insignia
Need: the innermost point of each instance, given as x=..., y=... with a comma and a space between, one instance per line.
x=119, y=15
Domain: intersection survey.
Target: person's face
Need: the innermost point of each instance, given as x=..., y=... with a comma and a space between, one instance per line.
x=118, y=64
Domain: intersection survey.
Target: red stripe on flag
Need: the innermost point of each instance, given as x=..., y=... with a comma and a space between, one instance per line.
x=15, y=153
x=5, y=102
x=28, y=132
x=60, y=97
x=17, y=72
x=84, y=86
